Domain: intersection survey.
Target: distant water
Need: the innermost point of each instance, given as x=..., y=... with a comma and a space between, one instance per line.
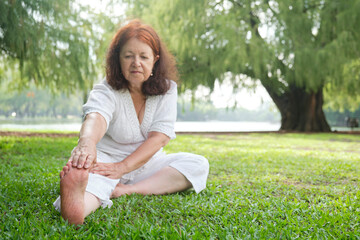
x=179, y=126
x=225, y=126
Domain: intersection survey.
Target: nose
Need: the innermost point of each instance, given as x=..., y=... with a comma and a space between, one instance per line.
x=136, y=61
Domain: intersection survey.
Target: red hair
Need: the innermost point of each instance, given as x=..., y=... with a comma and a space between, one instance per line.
x=164, y=69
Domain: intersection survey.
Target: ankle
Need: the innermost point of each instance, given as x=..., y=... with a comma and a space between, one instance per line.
x=122, y=189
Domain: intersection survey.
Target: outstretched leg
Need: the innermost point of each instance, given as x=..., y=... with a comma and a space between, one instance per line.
x=167, y=180
x=76, y=204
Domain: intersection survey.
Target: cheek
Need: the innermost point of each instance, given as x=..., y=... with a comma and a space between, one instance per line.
x=123, y=66
x=149, y=66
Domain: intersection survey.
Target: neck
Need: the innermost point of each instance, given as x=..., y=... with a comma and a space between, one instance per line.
x=135, y=89
x=137, y=93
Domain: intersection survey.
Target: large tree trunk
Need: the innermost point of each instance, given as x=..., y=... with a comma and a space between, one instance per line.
x=301, y=110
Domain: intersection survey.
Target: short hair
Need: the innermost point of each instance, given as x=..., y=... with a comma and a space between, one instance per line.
x=164, y=69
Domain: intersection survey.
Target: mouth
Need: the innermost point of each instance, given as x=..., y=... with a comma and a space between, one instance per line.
x=134, y=72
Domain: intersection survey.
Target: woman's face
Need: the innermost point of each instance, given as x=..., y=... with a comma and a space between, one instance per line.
x=137, y=61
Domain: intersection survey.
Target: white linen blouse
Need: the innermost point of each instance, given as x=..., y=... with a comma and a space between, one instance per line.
x=124, y=134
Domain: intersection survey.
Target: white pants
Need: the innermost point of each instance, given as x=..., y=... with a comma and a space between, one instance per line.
x=194, y=167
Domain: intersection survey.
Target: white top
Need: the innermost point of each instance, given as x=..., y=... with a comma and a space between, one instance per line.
x=124, y=133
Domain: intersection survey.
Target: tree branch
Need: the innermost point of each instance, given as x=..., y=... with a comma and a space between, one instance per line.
x=266, y=81
x=311, y=7
x=236, y=3
x=7, y=52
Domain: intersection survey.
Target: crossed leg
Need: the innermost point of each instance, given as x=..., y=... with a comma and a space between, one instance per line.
x=76, y=203
x=167, y=180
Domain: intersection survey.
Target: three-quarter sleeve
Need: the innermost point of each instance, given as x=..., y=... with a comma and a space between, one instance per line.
x=101, y=100
x=165, y=114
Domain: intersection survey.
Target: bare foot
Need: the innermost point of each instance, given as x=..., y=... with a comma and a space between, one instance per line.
x=72, y=190
x=65, y=170
x=122, y=189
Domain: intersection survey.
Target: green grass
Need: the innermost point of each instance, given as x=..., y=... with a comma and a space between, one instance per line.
x=266, y=186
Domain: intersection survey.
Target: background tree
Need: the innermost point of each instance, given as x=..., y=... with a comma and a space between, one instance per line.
x=37, y=103
x=297, y=49
x=49, y=42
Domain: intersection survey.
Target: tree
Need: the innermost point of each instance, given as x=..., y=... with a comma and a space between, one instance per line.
x=297, y=49
x=35, y=103
x=48, y=42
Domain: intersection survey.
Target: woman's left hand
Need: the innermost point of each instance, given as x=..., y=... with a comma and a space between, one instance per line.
x=110, y=170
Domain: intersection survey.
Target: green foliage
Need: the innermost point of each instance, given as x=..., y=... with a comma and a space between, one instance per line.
x=307, y=44
x=51, y=43
x=339, y=118
x=261, y=186
x=340, y=99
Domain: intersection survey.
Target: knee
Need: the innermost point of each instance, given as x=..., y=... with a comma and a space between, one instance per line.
x=204, y=163
x=201, y=161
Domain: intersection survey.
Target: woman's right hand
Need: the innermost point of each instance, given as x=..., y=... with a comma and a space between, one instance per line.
x=83, y=155
x=92, y=130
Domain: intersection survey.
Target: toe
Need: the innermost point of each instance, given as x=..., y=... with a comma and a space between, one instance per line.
x=65, y=169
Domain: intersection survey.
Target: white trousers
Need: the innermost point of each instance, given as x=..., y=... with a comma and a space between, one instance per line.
x=194, y=167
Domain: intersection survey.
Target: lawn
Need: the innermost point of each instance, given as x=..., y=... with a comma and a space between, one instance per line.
x=266, y=186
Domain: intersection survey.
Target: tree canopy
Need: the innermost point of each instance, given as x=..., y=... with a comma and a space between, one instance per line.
x=48, y=42
x=265, y=39
x=296, y=49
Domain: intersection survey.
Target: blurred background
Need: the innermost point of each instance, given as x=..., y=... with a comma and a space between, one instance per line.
x=245, y=65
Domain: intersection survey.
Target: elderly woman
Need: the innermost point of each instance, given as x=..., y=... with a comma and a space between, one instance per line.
x=129, y=118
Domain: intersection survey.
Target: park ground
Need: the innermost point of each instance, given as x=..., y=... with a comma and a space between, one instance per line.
x=260, y=186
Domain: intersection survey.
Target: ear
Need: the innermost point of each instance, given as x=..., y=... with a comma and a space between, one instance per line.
x=156, y=58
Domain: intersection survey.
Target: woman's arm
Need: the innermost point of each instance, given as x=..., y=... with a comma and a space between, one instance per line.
x=138, y=158
x=92, y=130
x=160, y=132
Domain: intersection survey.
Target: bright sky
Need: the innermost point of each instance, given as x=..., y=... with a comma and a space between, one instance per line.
x=249, y=99
x=223, y=95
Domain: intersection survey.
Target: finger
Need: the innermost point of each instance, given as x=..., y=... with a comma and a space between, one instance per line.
x=73, y=150
x=102, y=172
x=75, y=158
x=71, y=159
x=100, y=166
x=98, y=170
x=82, y=159
x=89, y=161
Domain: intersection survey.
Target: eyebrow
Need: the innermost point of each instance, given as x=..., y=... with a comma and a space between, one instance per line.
x=129, y=51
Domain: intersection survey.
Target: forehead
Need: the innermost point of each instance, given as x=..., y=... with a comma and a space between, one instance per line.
x=134, y=45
